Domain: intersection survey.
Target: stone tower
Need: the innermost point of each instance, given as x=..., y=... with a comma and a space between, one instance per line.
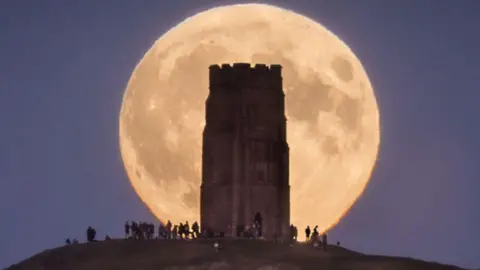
x=245, y=159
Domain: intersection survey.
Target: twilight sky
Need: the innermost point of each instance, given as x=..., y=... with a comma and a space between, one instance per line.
x=65, y=64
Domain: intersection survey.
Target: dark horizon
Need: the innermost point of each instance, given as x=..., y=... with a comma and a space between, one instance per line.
x=64, y=66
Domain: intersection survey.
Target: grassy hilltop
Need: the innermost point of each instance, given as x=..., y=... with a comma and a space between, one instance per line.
x=200, y=254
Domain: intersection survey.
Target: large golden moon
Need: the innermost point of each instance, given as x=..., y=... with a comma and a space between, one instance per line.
x=333, y=119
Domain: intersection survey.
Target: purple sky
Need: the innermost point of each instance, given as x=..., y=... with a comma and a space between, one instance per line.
x=64, y=66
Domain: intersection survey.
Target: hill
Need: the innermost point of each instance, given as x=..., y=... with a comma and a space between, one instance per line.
x=200, y=254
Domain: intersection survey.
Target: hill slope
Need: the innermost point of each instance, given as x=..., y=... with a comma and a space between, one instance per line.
x=234, y=254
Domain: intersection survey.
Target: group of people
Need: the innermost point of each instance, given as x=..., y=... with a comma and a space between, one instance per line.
x=316, y=239
x=139, y=230
x=144, y=230
x=254, y=230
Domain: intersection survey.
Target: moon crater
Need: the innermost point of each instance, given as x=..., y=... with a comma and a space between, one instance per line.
x=342, y=68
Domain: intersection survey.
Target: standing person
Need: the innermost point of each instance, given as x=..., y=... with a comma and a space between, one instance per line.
x=161, y=231
x=151, y=231
x=292, y=233
x=181, y=229
x=134, y=229
x=295, y=233
x=175, y=232
x=91, y=233
x=127, y=230
x=196, y=230
x=169, y=229
x=315, y=234
x=186, y=230
x=307, y=232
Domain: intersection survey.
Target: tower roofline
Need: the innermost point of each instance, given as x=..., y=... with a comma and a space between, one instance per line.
x=245, y=66
x=244, y=72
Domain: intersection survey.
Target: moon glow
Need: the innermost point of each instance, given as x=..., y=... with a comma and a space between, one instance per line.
x=333, y=118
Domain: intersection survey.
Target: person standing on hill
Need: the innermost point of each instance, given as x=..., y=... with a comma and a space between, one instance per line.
x=307, y=232
x=315, y=234
x=127, y=230
x=196, y=230
x=91, y=233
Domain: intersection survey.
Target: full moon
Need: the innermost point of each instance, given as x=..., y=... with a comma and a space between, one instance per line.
x=332, y=113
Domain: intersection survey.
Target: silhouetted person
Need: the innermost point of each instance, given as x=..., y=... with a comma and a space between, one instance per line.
x=75, y=241
x=175, y=232
x=195, y=229
x=151, y=231
x=307, y=232
x=127, y=230
x=67, y=242
x=91, y=233
x=292, y=233
x=315, y=234
x=161, y=231
x=180, y=229
x=94, y=234
x=169, y=229
x=135, y=230
x=107, y=237
x=142, y=232
x=295, y=233
x=338, y=243
x=186, y=230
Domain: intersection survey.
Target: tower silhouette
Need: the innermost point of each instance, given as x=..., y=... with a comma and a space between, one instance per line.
x=245, y=159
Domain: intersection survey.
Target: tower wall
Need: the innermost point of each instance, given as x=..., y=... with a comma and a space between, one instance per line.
x=245, y=152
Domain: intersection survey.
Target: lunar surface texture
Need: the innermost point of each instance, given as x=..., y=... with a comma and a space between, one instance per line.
x=333, y=118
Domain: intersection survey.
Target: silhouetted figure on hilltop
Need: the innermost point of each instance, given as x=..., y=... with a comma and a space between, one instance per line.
x=67, y=242
x=292, y=233
x=75, y=241
x=338, y=243
x=127, y=230
x=162, y=232
x=134, y=230
x=91, y=233
x=141, y=230
x=169, y=229
x=307, y=232
x=295, y=233
x=107, y=238
x=195, y=229
x=175, y=232
x=180, y=229
x=315, y=234
x=186, y=230
x=151, y=231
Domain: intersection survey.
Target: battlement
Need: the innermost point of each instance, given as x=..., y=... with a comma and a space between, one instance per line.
x=243, y=74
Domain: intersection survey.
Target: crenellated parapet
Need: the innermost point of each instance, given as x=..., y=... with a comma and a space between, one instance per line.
x=229, y=76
